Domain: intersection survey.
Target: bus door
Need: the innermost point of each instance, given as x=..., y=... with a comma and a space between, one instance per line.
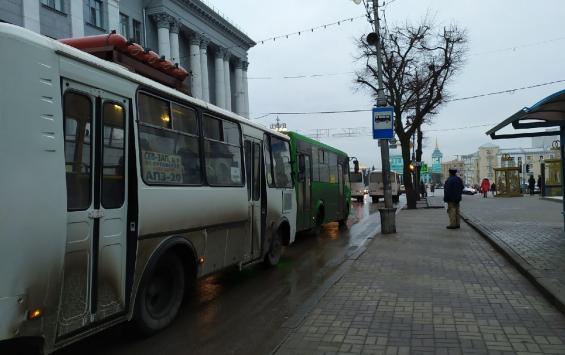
x=304, y=189
x=340, y=198
x=253, y=166
x=95, y=124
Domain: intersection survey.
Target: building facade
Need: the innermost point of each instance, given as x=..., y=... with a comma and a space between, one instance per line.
x=454, y=164
x=188, y=32
x=471, y=166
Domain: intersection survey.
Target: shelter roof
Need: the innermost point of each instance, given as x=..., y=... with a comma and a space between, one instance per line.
x=548, y=112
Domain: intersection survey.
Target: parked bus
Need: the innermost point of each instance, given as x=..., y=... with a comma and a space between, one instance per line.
x=357, y=186
x=322, y=182
x=117, y=191
x=376, y=186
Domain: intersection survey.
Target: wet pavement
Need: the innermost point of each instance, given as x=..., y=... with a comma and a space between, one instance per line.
x=429, y=290
x=252, y=311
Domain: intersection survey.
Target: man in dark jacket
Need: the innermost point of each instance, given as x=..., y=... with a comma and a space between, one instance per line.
x=452, y=191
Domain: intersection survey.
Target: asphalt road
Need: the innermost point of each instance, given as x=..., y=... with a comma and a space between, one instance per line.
x=248, y=312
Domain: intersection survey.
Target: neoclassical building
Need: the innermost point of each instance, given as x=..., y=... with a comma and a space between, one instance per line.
x=189, y=32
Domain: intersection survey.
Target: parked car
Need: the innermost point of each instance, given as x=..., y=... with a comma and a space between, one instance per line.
x=469, y=191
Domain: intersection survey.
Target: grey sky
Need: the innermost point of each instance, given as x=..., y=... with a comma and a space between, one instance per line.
x=493, y=27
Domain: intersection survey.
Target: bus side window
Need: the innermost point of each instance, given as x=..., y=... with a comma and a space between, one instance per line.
x=78, y=150
x=315, y=165
x=268, y=160
x=222, y=152
x=168, y=137
x=281, y=162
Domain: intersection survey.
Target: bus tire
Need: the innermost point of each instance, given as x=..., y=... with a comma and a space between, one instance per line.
x=160, y=295
x=275, y=250
x=360, y=199
x=375, y=199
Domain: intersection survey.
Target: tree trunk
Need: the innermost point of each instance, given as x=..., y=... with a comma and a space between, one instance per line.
x=419, y=139
x=408, y=185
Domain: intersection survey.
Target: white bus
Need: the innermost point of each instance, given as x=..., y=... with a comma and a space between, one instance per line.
x=376, y=186
x=118, y=191
x=357, y=185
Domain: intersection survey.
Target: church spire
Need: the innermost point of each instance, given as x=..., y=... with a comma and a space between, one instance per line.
x=436, y=143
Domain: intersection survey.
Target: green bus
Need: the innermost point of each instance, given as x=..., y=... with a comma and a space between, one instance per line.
x=322, y=186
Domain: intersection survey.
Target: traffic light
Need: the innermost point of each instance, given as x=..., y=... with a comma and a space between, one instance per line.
x=527, y=168
x=412, y=167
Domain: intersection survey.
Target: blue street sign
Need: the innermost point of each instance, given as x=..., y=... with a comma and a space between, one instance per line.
x=383, y=122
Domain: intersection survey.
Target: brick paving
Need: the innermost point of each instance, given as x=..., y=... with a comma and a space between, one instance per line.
x=429, y=290
x=530, y=231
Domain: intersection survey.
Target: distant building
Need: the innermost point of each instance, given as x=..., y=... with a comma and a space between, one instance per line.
x=190, y=33
x=397, y=163
x=487, y=161
x=481, y=164
x=471, y=166
x=545, y=142
x=457, y=164
x=437, y=156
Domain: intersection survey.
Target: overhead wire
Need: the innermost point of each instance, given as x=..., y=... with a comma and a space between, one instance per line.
x=507, y=91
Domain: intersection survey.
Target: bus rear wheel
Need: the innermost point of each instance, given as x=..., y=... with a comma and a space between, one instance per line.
x=275, y=250
x=160, y=295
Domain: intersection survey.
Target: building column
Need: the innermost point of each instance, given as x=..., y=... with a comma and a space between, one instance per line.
x=204, y=68
x=30, y=9
x=219, y=82
x=77, y=18
x=163, y=39
x=227, y=79
x=113, y=15
x=174, y=40
x=239, y=94
x=245, y=89
x=196, y=71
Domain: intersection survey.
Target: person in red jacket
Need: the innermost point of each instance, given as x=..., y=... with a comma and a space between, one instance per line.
x=485, y=187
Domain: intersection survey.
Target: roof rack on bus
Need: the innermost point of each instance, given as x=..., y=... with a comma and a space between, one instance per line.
x=116, y=48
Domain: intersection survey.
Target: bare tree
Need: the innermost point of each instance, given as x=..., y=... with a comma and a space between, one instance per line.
x=419, y=61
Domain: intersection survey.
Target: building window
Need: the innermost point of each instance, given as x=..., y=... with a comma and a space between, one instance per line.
x=54, y=4
x=95, y=12
x=124, y=25
x=136, y=31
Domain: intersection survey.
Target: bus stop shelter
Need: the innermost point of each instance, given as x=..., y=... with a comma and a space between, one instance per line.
x=546, y=113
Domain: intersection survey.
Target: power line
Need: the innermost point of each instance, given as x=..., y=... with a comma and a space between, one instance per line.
x=309, y=30
x=452, y=100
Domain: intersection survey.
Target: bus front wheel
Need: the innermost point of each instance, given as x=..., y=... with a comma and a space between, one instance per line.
x=160, y=295
x=275, y=250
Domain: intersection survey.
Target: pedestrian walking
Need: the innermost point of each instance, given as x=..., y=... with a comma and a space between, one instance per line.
x=493, y=189
x=531, y=184
x=452, y=192
x=432, y=189
x=539, y=184
x=423, y=190
x=485, y=187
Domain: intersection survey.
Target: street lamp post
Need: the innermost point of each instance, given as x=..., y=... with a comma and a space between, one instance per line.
x=388, y=213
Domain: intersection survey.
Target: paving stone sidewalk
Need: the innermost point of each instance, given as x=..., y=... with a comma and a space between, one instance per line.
x=528, y=230
x=429, y=290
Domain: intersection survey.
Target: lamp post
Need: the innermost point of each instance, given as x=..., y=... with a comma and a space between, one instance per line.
x=388, y=213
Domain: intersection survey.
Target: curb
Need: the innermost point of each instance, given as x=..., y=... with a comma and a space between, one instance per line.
x=551, y=199
x=550, y=288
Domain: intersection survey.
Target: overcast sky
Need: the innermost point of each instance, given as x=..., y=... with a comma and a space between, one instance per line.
x=505, y=52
